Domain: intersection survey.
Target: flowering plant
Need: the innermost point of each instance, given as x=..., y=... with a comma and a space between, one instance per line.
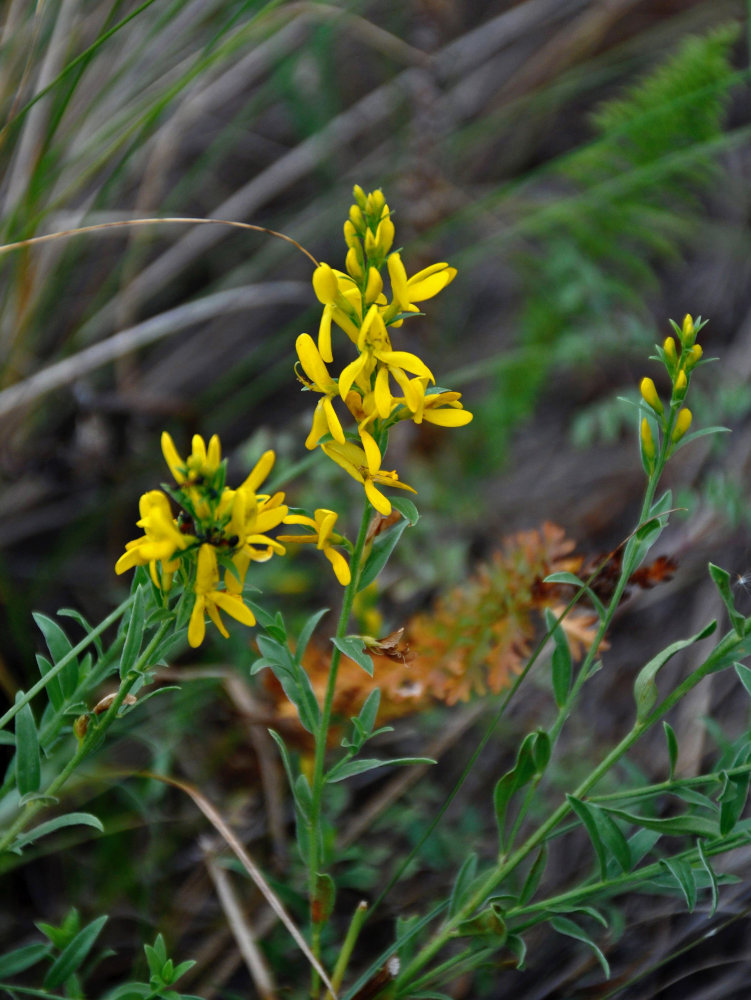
x=193, y=561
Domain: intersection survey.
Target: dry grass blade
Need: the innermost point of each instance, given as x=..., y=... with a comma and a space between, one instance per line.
x=252, y=955
x=216, y=820
x=155, y=328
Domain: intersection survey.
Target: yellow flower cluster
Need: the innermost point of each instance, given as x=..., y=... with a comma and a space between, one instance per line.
x=216, y=526
x=354, y=300
x=679, y=359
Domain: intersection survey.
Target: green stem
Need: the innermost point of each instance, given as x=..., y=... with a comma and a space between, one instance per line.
x=353, y=932
x=91, y=740
x=509, y=862
x=314, y=852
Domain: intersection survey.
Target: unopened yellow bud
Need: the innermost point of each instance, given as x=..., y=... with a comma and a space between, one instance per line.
x=682, y=424
x=681, y=384
x=374, y=286
x=357, y=218
x=649, y=394
x=375, y=202
x=688, y=331
x=647, y=441
x=353, y=263
x=350, y=234
x=671, y=354
x=694, y=356
x=359, y=195
x=325, y=284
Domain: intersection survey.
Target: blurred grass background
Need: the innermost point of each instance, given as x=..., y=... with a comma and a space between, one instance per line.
x=585, y=165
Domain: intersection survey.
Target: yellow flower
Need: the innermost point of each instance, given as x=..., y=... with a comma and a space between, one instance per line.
x=421, y=286
x=209, y=600
x=375, y=346
x=161, y=540
x=253, y=515
x=323, y=525
x=325, y=420
x=201, y=464
x=364, y=465
x=442, y=408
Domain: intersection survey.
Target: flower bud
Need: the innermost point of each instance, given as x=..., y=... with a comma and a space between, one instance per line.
x=694, y=357
x=682, y=424
x=325, y=284
x=374, y=286
x=681, y=384
x=350, y=234
x=354, y=263
x=357, y=218
x=647, y=443
x=671, y=355
x=688, y=331
x=359, y=195
x=80, y=727
x=650, y=396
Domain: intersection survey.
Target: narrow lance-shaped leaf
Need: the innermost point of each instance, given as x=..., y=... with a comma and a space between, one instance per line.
x=721, y=579
x=28, y=759
x=59, y=646
x=672, y=741
x=134, y=635
x=645, y=688
x=561, y=663
x=74, y=954
x=565, y=926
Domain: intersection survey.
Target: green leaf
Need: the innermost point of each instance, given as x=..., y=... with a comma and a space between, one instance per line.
x=369, y=711
x=561, y=663
x=59, y=646
x=28, y=759
x=732, y=800
x=303, y=798
x=672, y=741
x=78, y=617
x=7, y=739
x=645, y=688
x=677, y=826
x=721, y=579
x=74, y=954
x=525, y=767
x=585, y=814
x=567, y=927
x=516, y=945
x=534, y=875
x=487, y=923
x=385, y=543
x=21, y=959
x=347, y=769
x=134, y=635
x=710, y=875
x=54, y=690
x=462, y=883
x=306, y=633
x=744, y=676
x=58, y=823
x=156, y=955
x=353, y=646
x=575, y=581
x=645, y=536
x=684, y=877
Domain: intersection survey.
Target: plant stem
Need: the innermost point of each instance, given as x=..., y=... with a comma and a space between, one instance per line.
x=314, y=852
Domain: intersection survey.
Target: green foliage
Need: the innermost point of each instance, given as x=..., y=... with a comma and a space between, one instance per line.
x=631, y=202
